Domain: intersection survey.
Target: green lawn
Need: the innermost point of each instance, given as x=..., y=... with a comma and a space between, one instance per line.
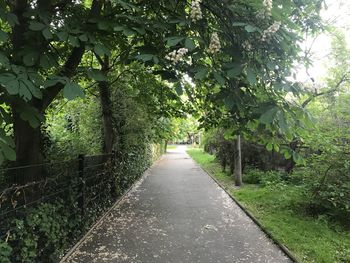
x=171, y=147
x=309, y=239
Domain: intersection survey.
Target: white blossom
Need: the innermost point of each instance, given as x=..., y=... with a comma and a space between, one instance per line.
x=247, y=46
x=268, y=5
x=266, y=12
x=176, y=55
x=214, y=46
x=196, y=12
x=267, y=34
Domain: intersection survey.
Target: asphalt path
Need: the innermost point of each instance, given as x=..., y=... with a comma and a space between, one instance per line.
x=177, y=213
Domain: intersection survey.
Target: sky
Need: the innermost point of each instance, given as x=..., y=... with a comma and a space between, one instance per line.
x=338, y=13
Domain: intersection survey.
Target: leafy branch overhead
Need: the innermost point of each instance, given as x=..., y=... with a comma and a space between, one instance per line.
x=237, y=54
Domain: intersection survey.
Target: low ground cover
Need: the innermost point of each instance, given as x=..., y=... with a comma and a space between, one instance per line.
x=280, y=208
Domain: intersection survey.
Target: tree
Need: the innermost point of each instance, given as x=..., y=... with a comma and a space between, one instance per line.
x=43, y=45
x=237, y=54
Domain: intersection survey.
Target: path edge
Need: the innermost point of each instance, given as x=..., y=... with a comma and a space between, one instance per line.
x=285, y=250
x=117, y=202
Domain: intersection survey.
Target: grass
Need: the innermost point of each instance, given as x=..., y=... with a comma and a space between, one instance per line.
x=278, y=210
x=171, y=147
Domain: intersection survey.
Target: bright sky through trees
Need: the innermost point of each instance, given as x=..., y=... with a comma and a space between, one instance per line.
x=337, y=14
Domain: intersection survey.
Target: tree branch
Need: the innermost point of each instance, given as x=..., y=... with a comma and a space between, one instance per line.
x=330, y=91
x=71, y=64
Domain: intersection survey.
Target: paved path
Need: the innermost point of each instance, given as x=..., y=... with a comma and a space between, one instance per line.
x=177, y=214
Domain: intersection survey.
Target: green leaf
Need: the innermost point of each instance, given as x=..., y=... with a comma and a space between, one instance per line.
x=155, y=59
x=250, y=28
x=239, y=24
x=24, y=91
x=12, y=19
x=219, y=78
x=8, y=152
x=83, y=38
x=119, y=28
x=269, y=146
x=36, y=26
x=268, y=116
x=53, y=80
x=190, y=44
x=35, y=91
x=287, y=155
x=179, y=89
x=74, y=41
x=234, y=72
x=129, y=32
x=3, y=36
x=30, y=58
x=298, y=158
x=201, y=74
x=10, y=82
x=72, y=90
x=97, y=75
x=173, y=41
x=44, y=62
x=47, y=33
x=229, y=102
x=271, y=65
x=145, y=57
x=101, y=50
x=103, y=25
x=4, y=60
x=139, y=30
x=31, y=115
x=62, y=35
x=282, y=122
x=251, y=76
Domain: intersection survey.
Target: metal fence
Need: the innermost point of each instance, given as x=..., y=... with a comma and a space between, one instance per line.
x=86, y=184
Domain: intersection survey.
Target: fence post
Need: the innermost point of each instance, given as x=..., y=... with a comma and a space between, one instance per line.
x=82, y=188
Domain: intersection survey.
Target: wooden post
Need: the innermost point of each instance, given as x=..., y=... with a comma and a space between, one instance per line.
x=238, y=161
x=82, y=188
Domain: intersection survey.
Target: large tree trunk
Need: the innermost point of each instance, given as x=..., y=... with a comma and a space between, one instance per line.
x=29, y=152
x=107, y=118
x=28, y=139
x=238, y=162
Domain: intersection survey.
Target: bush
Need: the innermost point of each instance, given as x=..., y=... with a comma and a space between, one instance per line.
x=256, y=176
x=5, y=252
x=43, y=234
x=329, y=188
x=252, y=176
x=273, y=178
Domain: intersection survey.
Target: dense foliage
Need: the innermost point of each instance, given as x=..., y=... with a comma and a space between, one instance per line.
x=125, y=77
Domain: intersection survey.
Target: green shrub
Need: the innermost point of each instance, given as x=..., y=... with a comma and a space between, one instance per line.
x=5, y=252
x=43, y=234
x=271, y=178
x=264, y=178
x=252, y=176
x=328, y=187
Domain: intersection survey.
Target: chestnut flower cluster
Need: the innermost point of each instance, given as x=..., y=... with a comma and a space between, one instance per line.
x=267, y=34
x=176, y=55
x=247, y=46
x=196, y=12
x=214, y=46
x=266, y=12
x=268, y=5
